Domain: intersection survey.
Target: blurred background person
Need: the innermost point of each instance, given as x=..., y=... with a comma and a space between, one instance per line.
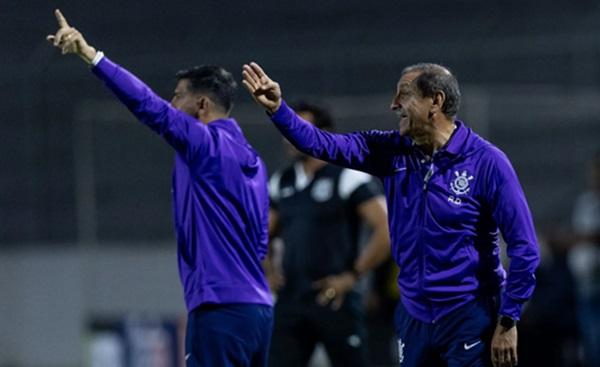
x=318, y=210
x=548, y=334
x=381, y=298
x=584, y=261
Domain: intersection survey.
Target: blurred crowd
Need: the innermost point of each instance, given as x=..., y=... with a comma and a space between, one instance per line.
x=561, y=325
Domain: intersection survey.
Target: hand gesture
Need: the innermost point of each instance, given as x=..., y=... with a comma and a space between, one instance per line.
x=504, y=347
x=333, y=289
x=69, y=40
x=265, y=91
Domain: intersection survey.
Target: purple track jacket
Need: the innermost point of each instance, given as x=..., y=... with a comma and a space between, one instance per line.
x=220, y=198
x=445, y=214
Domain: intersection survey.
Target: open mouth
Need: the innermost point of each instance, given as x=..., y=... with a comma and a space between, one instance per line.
x=401, y=114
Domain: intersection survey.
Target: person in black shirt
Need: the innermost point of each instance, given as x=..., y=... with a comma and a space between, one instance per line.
x=317, y=210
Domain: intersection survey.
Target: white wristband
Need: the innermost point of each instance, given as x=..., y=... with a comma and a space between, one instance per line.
x=97, y=58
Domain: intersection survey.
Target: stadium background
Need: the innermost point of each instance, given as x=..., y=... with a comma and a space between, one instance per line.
x=85, y=216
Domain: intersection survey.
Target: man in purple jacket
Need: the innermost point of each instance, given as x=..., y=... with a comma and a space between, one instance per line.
x=449, y=194
x=220, y=201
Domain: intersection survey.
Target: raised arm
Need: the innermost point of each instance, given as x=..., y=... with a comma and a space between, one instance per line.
x=186, y=134
x=369, y=151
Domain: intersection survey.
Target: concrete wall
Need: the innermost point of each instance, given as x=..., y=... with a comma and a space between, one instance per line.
x=47, y=297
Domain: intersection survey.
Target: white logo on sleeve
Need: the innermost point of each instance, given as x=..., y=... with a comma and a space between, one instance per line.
x=469, y=346
x=400, y=351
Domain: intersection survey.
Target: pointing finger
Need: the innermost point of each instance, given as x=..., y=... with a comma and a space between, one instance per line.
x=60, y=18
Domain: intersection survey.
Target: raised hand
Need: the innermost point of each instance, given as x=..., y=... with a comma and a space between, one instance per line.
x=70, y=40
x=264, y=90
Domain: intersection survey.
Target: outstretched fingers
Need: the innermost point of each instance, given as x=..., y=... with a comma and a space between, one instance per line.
x=262, y=76
x=63, y=28
x=258, y=70
x=251, y=76
x=248, y=86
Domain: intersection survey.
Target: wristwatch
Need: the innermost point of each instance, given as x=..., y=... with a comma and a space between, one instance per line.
x=507, y=322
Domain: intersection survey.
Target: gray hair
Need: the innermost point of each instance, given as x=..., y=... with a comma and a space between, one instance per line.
x=437, y=78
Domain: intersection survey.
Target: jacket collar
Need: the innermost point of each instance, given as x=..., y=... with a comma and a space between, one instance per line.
x=456, y=143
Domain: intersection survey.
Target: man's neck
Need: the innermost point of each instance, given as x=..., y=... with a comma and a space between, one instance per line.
x=439, y=136
x=208, y=118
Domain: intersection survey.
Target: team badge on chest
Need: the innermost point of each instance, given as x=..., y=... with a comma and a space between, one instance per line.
x=460, y=184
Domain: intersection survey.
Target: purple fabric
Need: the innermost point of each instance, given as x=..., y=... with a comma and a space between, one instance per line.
x=220, y=199
x=444, y=228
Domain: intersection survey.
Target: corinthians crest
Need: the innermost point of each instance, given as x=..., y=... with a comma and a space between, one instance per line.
x=460, y=184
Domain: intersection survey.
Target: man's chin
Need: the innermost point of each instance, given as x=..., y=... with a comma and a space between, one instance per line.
x=403, y=130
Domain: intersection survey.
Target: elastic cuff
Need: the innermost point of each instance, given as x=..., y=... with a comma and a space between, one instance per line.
x=97, y=58
x=510, y=307
x=281, y=116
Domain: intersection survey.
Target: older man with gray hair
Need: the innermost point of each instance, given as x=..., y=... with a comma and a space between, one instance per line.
x=449, y=194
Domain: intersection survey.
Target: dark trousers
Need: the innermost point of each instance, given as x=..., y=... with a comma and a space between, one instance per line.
x=460, y=339
x=300, y=326
x=228, y=335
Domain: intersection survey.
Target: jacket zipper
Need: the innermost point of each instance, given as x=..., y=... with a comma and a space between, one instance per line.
x=426, y=180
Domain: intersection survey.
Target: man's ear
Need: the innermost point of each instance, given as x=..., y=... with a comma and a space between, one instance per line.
x=202, y=102
x=439, y=98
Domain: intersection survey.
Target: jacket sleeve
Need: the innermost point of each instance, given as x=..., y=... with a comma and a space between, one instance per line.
x=512, y=214
x=188, y=136
x=368, y=151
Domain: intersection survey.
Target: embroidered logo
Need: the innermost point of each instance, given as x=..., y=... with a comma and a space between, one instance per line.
x=460, y=184
x=400, y=351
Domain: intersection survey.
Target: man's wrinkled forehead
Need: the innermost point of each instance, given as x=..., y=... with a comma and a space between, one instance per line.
x=406, y=82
